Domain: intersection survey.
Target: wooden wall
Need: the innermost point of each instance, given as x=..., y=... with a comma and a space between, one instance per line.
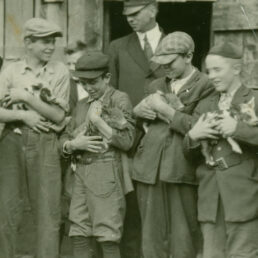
x=79, y=20
x=236, y=20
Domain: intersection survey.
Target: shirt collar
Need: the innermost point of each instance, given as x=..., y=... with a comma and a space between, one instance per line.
x=151, y=34
x=89, y=99
x=230, y=94
x=47, y=67
x=185, y=79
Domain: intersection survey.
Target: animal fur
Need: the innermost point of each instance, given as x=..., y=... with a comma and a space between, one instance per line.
x=244, y=112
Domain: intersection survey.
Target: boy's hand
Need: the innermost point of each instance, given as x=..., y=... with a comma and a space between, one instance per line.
x=204, y=129
x=156, y=101
x=86, y=143
x=94, y=112
x=144, y=110
x=16, y=95
x=35, y=121
x=227, y=126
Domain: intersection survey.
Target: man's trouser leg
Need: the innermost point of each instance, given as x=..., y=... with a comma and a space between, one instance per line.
x=11, y=204
x=44, y=187
x=169, y=220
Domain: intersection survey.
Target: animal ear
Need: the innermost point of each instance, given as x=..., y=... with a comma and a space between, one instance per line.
x=251, y=103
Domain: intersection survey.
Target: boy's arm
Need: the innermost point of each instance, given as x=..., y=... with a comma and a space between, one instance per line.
x=122, y=138
x=55, y=111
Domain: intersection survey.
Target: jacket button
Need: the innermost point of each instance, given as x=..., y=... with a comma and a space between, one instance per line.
x=89, y=160
x=219, y=148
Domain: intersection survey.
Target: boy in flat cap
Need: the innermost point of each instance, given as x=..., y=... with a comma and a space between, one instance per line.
x=29, y=148
x=228, y=189
x=132, y=70
x=166, y=183
x=100, y=130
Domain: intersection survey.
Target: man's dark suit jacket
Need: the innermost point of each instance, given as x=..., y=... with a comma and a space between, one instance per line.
x=130, y=69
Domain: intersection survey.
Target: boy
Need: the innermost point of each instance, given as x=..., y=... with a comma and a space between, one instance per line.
x=29, y=151
x=228, y=190
x=100, y=130
x=166, y=183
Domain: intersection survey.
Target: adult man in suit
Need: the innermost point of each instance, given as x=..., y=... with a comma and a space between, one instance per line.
x=132, y=71
x=228, y=191
x=130, y=55
x=166, y=183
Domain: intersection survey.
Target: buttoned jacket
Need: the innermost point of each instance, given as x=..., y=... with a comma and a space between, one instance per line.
x=160, y=153
x=237, y=186
x=130, y=69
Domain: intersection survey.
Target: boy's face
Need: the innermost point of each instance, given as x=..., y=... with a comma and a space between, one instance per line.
x=72, y=59
x=221, y=72
x=177, y=68
x=96, y=86
x=42, y=48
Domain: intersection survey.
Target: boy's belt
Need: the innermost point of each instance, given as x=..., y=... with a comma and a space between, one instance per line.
x=104, y=157
x=230, y=160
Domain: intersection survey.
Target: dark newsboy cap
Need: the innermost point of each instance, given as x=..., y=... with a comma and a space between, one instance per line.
x=133, y=6
x=38, y=27
x=91, y=65
x=175, y=43
x=227, y=49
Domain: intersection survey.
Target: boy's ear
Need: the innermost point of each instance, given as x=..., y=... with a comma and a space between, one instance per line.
x=237, y=68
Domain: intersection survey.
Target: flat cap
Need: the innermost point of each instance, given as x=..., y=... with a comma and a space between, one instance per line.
x=38, y=27
x=227, y=49
x=91, y=65
x=173, y=44
x=133, y=6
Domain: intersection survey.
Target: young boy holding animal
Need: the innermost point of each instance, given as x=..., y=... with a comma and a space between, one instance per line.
x=228, y=189
x=101, y=129
x=29, y=160
x=166, y=184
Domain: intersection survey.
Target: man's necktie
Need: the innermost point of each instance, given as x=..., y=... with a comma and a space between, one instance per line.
x=147, y=48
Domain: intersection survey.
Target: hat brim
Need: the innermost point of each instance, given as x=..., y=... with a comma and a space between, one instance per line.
x=164, y=59
x=128, y=10
x=43, y=35
x=90, y=74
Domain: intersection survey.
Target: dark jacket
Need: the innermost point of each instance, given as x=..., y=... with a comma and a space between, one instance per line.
x=160, y=153
x=130, y=69
x=237, y=186
x=121, y=139
x=73, y=99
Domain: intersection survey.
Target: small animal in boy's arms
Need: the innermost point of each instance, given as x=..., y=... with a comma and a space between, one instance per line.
x=244, y=112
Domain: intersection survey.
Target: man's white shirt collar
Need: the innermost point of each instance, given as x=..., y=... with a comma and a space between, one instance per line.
x=152, y=35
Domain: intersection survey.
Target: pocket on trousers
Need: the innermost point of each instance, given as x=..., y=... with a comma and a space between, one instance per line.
x=100, y=179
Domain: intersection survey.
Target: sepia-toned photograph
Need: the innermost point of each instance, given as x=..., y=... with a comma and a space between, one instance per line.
x=128, y=128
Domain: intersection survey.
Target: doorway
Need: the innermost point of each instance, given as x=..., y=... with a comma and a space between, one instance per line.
x=192, y=17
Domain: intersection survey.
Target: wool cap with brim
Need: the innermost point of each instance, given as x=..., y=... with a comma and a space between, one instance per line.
x=173, y=44
x=91, y=65
x=134, y=6
x=39, y=28
x=227, y=50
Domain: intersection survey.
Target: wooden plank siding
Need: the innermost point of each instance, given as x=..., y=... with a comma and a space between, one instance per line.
x=235, y=15
x=79, y=20
x=2, y=32
x=236, y=21
x=16, y=13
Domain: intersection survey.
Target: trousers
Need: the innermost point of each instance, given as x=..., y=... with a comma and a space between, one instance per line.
x=30, y=173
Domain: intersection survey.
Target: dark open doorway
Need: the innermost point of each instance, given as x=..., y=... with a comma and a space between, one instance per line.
x=191, y=17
